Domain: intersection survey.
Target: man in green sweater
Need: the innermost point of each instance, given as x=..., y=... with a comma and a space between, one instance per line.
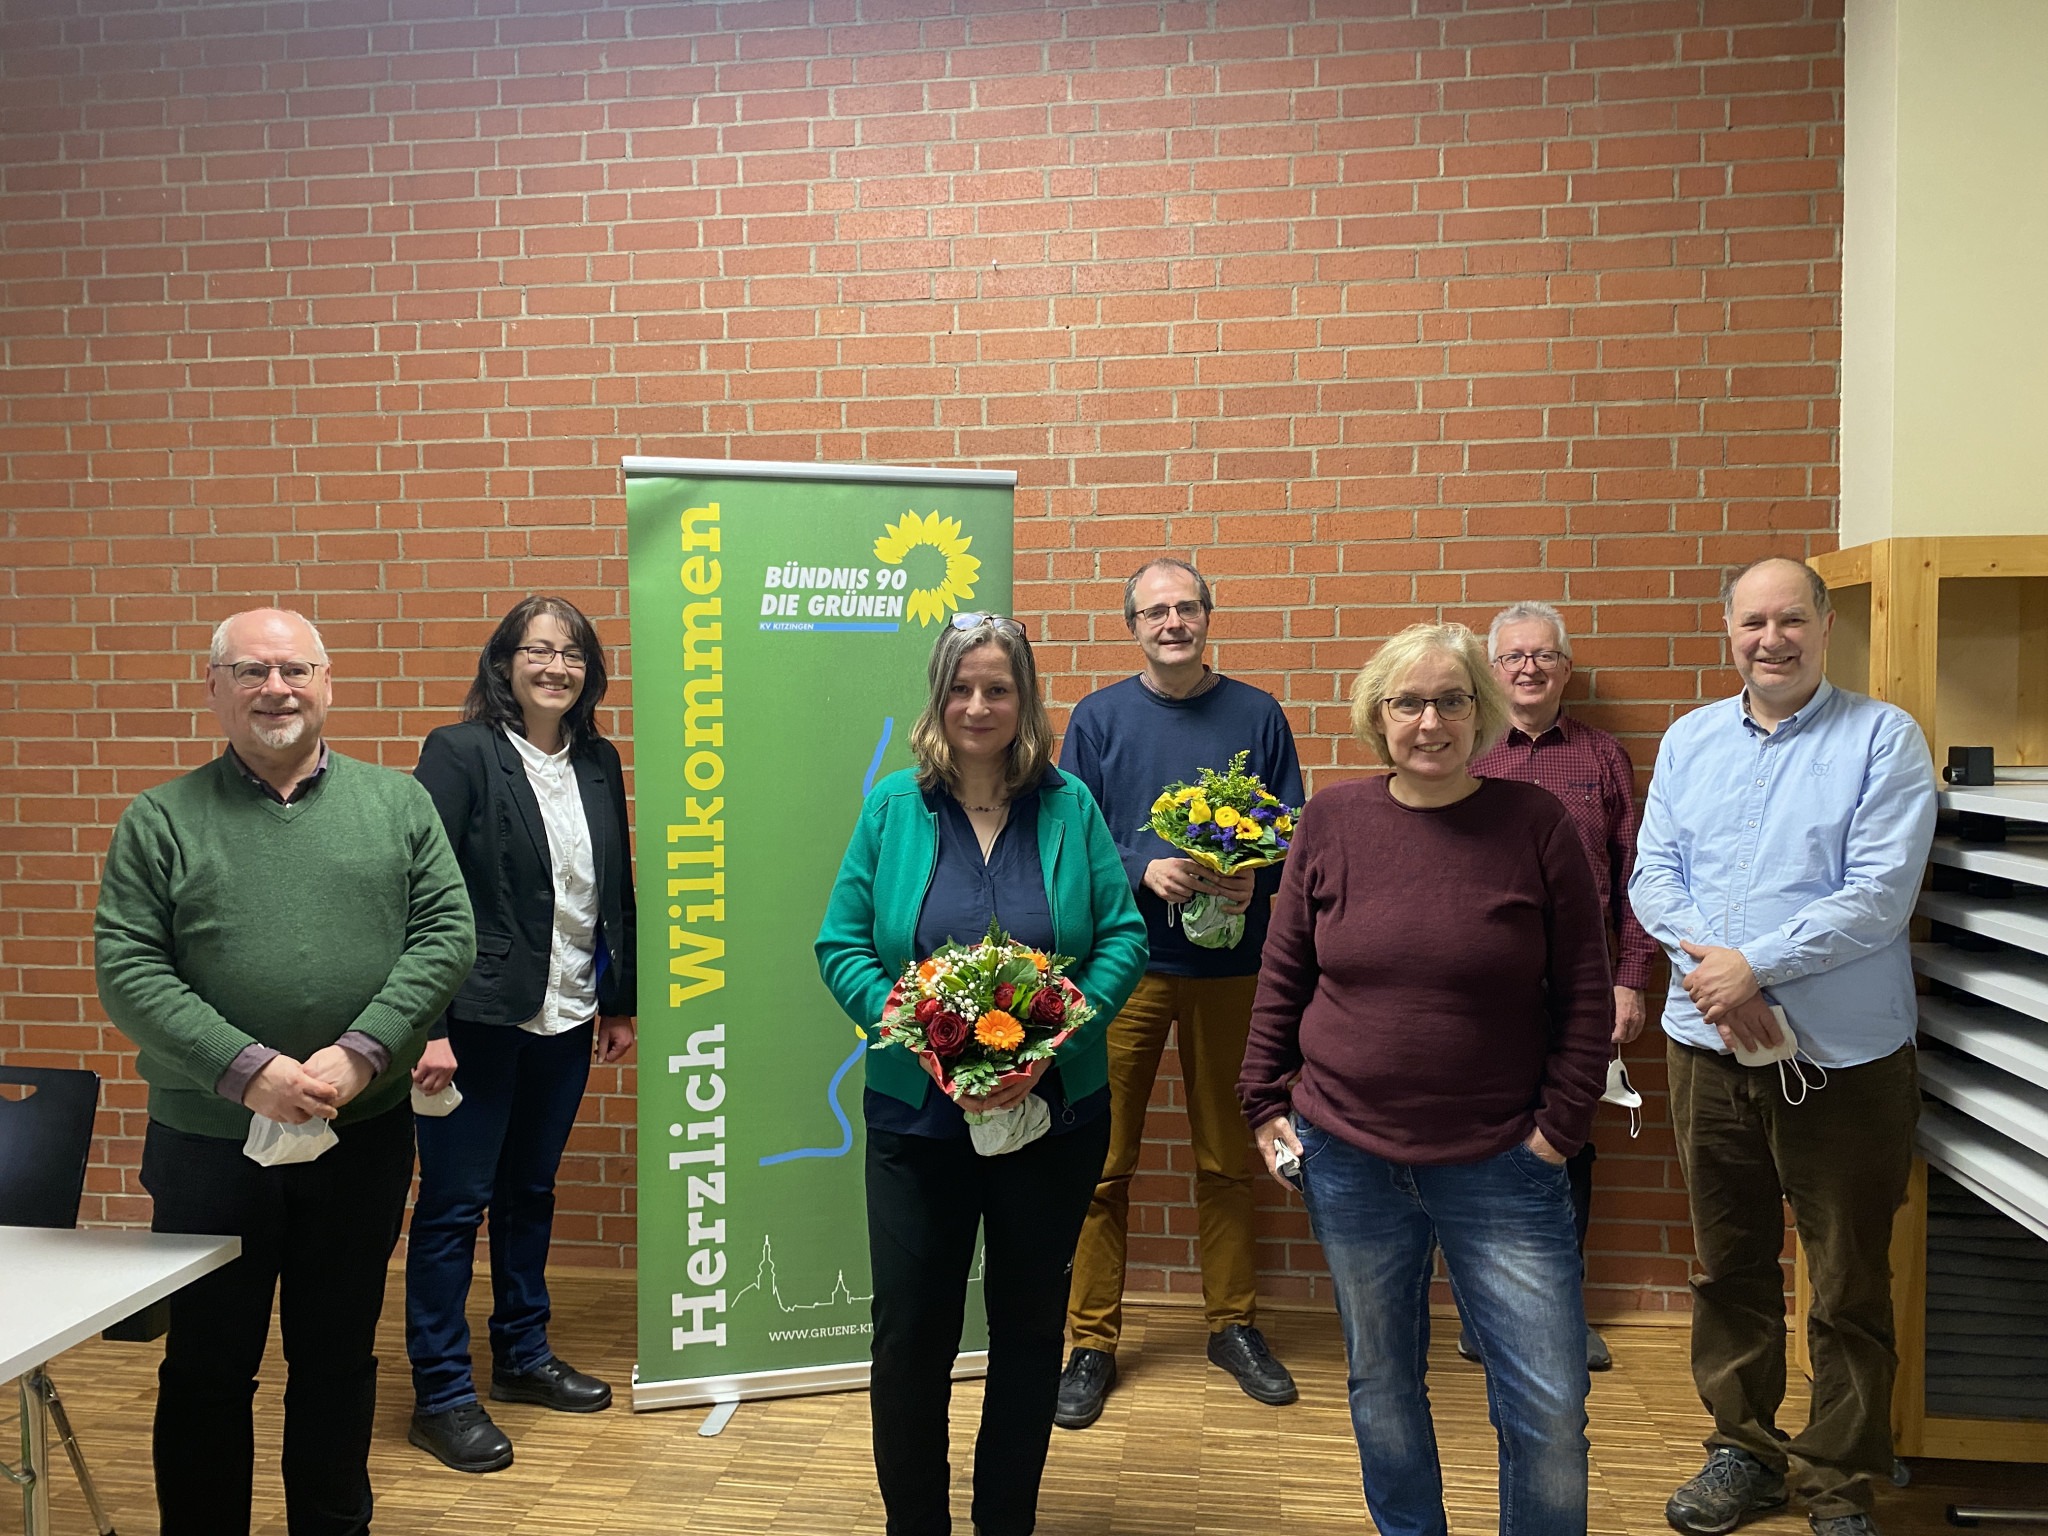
x=275, y=932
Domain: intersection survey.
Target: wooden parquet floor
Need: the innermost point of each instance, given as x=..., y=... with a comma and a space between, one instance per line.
x=1179, y=1449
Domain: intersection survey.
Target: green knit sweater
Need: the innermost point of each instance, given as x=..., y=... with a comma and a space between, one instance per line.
x=225, y=919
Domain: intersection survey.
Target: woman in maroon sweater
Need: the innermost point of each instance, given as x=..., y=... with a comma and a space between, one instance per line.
x=1429, y=1041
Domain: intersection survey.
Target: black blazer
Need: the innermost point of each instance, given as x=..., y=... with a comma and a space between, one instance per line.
x=479, y=785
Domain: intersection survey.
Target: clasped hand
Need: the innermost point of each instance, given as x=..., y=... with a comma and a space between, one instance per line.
x=1724, y=989
x=1012, y=1091
x=292, y=1092
x=1182, y=880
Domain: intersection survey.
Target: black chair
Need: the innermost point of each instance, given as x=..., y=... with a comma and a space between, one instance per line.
x=45, y=1138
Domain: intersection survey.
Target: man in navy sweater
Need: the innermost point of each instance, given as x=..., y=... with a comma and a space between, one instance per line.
x=1126, y=742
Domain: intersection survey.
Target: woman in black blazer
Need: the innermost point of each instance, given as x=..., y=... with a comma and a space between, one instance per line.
x=535, y=804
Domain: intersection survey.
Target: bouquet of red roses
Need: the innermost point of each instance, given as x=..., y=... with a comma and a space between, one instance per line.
x=978, y=1014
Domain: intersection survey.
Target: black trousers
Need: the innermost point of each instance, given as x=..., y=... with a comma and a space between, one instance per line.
x=1578, y=1170
x=926, y=1198
x=321, y=1233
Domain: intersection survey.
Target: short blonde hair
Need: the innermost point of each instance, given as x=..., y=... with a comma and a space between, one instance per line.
x=1398, y=657
x=1030, y=753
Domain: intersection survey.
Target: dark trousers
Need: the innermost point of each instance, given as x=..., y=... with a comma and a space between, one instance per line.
x=926, y=1197
x=1841, y=1160
x=499, y=1151
x=1578, y=1171
x=319, y=1235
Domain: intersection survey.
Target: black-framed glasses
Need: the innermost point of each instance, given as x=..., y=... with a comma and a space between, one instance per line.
x=542, y=655
x=251, y=675
x=995, y=621
x=1189, y=611
x=1514, y=661
x=1408, y=707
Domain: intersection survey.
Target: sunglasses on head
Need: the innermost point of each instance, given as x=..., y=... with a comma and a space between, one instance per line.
x=995, y=621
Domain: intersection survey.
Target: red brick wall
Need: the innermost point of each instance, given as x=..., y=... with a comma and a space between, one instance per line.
x=1383, y=311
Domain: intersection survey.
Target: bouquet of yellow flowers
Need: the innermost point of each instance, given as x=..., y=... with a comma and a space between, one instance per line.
x=977, y=1015
x=1227, y=822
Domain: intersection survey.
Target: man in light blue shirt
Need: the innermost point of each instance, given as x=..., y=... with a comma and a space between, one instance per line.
x=1779, y=860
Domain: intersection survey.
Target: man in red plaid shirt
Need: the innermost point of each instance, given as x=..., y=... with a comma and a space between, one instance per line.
x=1587, y=770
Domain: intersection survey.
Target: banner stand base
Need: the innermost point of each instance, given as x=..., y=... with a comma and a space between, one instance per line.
x=719, y=1416
x=757, y=1386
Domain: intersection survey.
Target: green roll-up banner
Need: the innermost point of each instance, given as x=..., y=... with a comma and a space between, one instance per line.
x=782, y=618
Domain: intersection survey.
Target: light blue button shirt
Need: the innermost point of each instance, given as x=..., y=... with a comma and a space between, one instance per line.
x=1803, y=847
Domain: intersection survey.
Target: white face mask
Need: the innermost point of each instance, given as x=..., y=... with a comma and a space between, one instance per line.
x=1621, y=1091
x=1786, y=1054
x=1800, y=1066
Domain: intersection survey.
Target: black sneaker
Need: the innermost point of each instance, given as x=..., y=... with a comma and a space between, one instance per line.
x=1242, y=1352
x=1598, y=1356
x=1858, y=1524
x=462, y=1437
x=554, y=1383
x=1086, y=1381
x=1468, y=1347
x=1731, y=1487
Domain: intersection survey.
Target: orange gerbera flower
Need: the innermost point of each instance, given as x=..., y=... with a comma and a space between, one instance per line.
x=928, y=970
x=998, y=1031
x=1039, y=959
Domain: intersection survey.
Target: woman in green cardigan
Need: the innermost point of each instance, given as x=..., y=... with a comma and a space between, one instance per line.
x=982, y=828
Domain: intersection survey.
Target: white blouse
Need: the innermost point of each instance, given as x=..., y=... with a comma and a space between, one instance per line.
x=571, y=996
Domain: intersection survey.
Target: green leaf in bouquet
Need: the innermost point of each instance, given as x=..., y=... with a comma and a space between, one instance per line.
x=977, y=1078
x=1017, y=970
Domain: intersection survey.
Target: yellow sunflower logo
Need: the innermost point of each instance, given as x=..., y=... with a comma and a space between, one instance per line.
x=928, y=605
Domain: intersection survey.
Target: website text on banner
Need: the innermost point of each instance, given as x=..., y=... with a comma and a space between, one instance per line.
x=782, y=618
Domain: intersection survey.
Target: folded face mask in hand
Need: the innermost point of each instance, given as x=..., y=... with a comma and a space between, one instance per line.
x=435, y=1105
x=1786, y=1054
x=1005, y=1130
x=274, y=1144
x=1621, y=1091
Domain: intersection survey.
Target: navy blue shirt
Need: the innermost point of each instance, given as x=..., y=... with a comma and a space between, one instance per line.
x=1126, y=743
x=965, y=893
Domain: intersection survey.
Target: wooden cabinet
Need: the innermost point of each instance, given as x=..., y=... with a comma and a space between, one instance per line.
x=1955, y=631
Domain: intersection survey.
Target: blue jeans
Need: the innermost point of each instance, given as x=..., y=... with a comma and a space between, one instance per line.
x=1505, y=1226
x=498, y=1151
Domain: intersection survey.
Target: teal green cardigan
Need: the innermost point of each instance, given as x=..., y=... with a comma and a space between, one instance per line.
x=871, y=923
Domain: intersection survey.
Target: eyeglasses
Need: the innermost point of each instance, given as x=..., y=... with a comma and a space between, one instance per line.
x=251, y=675
x=1408, y=707
x=1189, y=611
x=542, y=655
x=1545, y=661
x=995, y=621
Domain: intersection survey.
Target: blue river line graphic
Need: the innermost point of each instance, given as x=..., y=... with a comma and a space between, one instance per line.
x=839, y=1076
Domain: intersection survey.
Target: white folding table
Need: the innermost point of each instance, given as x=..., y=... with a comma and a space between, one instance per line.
x=59, y=1288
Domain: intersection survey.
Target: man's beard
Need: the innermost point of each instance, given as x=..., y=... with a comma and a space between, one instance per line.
x=285, y=733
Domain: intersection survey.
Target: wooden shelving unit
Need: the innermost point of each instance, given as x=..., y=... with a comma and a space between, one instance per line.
x=1955, y=632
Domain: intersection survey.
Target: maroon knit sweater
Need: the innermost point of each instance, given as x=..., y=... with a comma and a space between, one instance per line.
x=1437, y=978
